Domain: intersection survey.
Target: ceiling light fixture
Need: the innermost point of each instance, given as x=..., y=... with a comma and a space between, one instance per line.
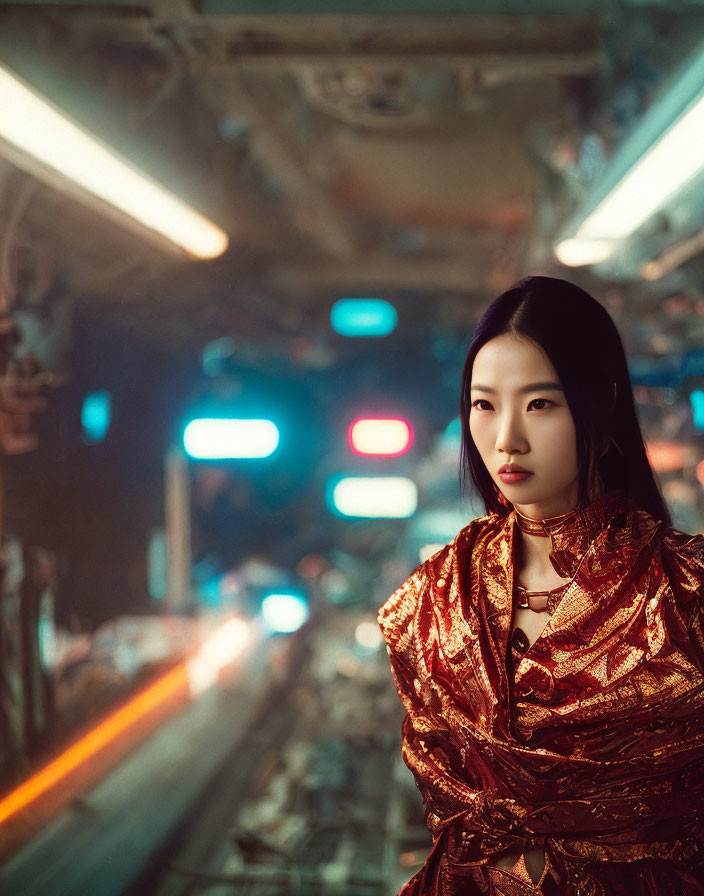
x=31, y=124
x=653, y=165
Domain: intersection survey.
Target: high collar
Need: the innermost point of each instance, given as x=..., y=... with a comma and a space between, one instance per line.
x=570, y=539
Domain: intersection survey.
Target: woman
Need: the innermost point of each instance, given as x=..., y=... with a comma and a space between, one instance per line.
x=551, y=657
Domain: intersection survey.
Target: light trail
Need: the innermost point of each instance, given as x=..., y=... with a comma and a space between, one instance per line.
x=91, y=743
x=186, y=680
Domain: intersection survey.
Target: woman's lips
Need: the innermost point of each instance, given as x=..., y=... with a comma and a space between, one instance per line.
x=513, y=478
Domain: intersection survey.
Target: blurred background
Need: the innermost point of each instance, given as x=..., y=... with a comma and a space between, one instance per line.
x=243, y=249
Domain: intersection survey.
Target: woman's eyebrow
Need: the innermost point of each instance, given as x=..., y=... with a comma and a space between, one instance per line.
x=533, y=387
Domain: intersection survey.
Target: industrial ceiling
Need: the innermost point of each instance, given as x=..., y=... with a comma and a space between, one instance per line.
x=430, y=156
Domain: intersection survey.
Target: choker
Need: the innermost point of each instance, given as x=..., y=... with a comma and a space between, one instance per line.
x=542, y=527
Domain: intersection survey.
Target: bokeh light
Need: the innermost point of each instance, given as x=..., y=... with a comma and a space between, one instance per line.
x=209, y=438
x=375, y=497
x=284, y=612
x=96, y=416
x=363, y=317
x=380, y=436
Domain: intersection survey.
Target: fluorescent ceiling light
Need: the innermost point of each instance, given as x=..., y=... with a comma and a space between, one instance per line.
x=661, y=172
x=659, y=159
x=32, y=125
x=575, y=252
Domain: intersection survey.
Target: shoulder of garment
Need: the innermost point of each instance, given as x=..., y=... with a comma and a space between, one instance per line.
x=683, y=563
x=396, y=616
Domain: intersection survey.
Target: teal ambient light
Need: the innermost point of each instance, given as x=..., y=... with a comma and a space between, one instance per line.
x=363, y=317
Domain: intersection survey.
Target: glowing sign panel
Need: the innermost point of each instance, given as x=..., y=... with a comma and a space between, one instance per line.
x=382, y=437
x=363, y=317
x=379, y=497
x=209, y=438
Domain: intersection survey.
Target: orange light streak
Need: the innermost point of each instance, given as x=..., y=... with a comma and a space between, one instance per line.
x=91, y=743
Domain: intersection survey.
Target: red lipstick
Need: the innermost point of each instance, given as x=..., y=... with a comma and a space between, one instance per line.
x=512, y=474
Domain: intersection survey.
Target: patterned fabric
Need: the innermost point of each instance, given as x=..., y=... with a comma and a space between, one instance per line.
x=590, y=744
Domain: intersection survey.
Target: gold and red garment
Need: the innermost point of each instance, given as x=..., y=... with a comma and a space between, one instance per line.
x=591, y=744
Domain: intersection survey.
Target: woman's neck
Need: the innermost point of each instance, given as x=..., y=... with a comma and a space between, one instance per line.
x=535, y=554
x=533, y=524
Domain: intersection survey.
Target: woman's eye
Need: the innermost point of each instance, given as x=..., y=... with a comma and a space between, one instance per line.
x=538, y=404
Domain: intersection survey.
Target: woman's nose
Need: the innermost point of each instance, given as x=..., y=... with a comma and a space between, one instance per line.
x=510, y=438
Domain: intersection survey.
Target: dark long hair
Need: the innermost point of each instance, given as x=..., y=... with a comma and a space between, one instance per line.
x=584, y=346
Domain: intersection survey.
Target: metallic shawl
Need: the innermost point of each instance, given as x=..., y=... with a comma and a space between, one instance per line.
x=594, y=747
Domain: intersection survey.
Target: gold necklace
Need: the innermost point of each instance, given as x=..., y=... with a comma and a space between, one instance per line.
x=539, y=601
x=541, y=527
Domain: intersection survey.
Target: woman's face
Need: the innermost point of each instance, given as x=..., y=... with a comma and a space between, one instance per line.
x=519, y=416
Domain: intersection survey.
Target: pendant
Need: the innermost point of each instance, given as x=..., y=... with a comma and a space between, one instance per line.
x=519, y=640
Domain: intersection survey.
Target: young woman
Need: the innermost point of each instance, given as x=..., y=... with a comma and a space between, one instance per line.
x=551, y=657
